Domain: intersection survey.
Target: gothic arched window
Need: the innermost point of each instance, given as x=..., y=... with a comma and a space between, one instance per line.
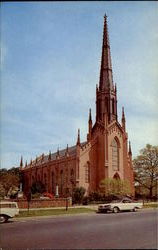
x=61, y=181
x=72, y=176
x=87, y=172
x=113, y=106
x=53, y=183
x=115, y=155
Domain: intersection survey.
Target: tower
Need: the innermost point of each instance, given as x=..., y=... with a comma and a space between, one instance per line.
x=106, y=95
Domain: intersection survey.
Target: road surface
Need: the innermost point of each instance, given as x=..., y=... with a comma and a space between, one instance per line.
x=128, y=230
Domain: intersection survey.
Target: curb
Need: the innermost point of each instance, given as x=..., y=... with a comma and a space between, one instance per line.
x=65, y=215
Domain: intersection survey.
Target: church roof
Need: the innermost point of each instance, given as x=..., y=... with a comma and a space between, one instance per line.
x=61, y=153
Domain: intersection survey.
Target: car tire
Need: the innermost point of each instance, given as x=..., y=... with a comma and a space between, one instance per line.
x=3, y=218
x=116, y=210
x=134, y=209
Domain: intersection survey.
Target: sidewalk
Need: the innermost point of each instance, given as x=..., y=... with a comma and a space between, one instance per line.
x=93, y=207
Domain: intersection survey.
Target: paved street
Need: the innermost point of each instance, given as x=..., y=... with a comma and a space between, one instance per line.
x=127, y=230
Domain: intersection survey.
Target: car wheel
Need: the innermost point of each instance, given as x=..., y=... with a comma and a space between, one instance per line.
x=116, y=210
x=134, y=209
x=3, y=218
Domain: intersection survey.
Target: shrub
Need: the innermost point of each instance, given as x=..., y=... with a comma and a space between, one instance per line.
x=37, y=187
x=78, y=194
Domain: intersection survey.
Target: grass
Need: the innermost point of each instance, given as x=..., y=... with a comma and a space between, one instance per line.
x=62, y=211
x=154, y=205
x=53, y=212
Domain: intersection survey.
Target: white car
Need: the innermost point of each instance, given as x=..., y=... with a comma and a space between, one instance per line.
x=8, y=209
x=120, y=205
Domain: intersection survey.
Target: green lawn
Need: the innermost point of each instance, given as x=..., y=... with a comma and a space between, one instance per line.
x=47, y=212
x=154, y=205
x=53, y=212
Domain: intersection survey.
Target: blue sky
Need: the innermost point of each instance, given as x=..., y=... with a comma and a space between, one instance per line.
x=50, y=62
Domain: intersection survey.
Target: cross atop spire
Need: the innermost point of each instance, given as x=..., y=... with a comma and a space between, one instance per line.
x=105, y=16
x=106, y=78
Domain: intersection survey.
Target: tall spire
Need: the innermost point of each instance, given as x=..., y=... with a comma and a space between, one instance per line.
x=106, y=78
x=106, y=95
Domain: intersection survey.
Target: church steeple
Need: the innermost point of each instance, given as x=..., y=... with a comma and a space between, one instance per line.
x=106, y=78
x=106, y=95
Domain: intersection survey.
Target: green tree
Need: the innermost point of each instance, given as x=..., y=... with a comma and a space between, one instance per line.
x=78, y=194
x=2, y=191
x=114, y=187
x=146, y=169
x=9, y=181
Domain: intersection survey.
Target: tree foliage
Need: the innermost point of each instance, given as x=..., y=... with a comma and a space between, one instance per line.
x=37, y=187
x=9, y=180
x=114, y=187
x=146, y=169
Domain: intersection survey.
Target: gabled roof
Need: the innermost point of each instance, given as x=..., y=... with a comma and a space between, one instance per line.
x=62, y=153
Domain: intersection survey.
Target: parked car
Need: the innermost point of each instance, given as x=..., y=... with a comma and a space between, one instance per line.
x=8, y=209
x=120, y=205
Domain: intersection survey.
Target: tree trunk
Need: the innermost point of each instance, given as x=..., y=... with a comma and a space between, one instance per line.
x=151, y=192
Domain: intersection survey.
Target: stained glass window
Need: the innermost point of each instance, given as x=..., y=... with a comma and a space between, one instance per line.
x=115, y=155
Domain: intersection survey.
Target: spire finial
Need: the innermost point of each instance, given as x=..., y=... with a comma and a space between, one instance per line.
x=67, y=150
x=115, y=87
x=49, y=156
x=123, y=113
x=21, y=162
x=105, y=16
x=78, y=137
x=58, y=150
x=130, y=151
x=123, y=119
x=58, y=153
x=26, y=164
x=90, y=115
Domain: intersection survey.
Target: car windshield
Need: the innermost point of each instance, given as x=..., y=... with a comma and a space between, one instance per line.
x=115, y=201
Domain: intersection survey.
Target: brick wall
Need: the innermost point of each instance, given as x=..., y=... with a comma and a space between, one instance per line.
x=36, y=203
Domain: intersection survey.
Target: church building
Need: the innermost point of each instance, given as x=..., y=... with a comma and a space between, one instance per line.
x=106, y=153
